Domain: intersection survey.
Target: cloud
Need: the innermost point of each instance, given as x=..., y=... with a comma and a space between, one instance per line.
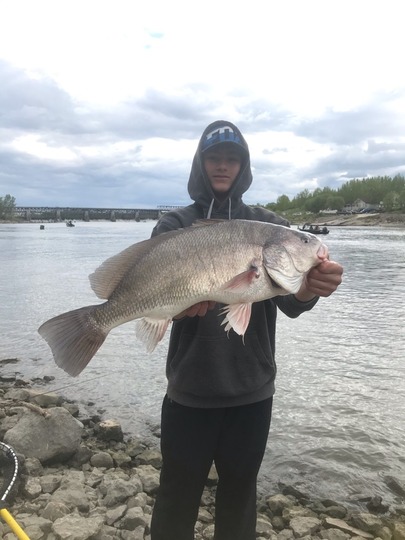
x=113, y=116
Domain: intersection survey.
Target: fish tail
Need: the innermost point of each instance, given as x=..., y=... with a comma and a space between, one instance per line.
x=74, y=338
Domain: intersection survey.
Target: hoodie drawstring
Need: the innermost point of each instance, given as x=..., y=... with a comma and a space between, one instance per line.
x=210, y=209
x=212, y=206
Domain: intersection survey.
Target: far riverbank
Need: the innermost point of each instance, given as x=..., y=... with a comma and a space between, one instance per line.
x=359, y=220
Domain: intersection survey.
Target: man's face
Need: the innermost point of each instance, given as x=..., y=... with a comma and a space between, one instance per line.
x=222, y=165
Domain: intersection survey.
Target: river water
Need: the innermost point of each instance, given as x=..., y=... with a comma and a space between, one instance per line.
x=339, y=412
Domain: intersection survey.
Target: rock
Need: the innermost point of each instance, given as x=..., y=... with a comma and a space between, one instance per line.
x=55, y=437
x=336, y=511
x=134, y=518
x=110, y=430
x=303, y=526
x=366, y=522
x=121, y=458
x=49, y=483
x=212, y=479
x=399, y=531
x=334, y=534
x=114, y=514
x=44, y=399
x=395, y=485
x=55, y=510
x=75, y=527
x=120, y=490
x=264, y=527
x=345, y=527
x=102, y=459
x=33, y=467
x=277, y=504
x=32, y=488
x=150, y=457
x=149, y=477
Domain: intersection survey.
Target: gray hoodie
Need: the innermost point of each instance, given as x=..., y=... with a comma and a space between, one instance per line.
x=207, y=367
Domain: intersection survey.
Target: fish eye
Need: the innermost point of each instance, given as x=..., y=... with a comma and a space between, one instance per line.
x=305, y=239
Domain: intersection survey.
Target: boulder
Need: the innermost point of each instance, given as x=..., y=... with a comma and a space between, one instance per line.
x=54, y=437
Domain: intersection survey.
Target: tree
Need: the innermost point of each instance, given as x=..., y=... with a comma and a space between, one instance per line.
x=283, y=203
x=334, y=202
x=316, y=204
x=391, y=201
x=7, y=207
x=402, y=199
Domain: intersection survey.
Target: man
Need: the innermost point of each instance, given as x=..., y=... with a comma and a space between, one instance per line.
x=220, y=389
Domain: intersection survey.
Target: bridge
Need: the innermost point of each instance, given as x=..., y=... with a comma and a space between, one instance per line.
x=48, y=213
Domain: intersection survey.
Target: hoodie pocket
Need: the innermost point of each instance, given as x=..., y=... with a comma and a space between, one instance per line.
x=220, y=366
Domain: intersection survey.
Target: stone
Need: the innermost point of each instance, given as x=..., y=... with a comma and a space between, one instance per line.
x=277, y=503
x=76, y=527
x=49, y=482
x=399, y=531
x=264, y=527
x=133, y=518
x=303, y=526
x=55, y=510
x=366, y=522
x=32, y=488
x=150, y=457
x=102, y=459
x=149, y=477
x=345, y=527
x=54, y=437
x=334, y=534
x=114, y=514
x=110, y=430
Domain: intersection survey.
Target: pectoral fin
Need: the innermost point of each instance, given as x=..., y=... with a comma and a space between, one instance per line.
x=237, y=317
x=151, y=331
x=241, y=282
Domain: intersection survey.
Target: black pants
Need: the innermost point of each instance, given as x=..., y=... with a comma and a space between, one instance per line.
x=192, y=438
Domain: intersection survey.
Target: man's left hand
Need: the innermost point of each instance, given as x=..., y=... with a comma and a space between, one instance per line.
x=323, y=280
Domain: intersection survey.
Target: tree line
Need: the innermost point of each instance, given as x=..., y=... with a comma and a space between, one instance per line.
x=7, y=207
x=384, y=191
x=376, y=191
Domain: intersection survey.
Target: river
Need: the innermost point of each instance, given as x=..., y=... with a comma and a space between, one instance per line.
x=338, y=422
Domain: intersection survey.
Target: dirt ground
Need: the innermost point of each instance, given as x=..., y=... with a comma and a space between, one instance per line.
x=363, y=220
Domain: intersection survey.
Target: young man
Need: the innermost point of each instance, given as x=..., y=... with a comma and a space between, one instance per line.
x=220, y=390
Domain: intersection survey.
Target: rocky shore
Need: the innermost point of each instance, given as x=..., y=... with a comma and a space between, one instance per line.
x=81, y=478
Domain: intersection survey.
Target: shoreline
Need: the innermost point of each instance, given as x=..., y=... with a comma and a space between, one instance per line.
x=381, y=219
x=106, y=483
x=359, y=220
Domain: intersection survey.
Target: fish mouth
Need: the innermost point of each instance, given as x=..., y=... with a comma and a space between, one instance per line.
x=323, y=252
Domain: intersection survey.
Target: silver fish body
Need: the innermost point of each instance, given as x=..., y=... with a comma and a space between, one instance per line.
x=235, y=263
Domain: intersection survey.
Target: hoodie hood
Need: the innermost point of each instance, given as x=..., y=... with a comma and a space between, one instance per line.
x=199, y=187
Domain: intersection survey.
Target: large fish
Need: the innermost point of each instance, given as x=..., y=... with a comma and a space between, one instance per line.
x=235, y=263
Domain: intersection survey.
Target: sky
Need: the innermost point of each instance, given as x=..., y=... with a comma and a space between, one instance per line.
x=102, y=102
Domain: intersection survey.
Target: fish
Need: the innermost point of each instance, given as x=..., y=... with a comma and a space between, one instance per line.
x=234, y=263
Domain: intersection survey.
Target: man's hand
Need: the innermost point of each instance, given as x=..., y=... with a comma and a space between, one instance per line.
x=323, y=280
x=199, y=309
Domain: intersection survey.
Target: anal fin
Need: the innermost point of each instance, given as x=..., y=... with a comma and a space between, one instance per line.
x=151, y=331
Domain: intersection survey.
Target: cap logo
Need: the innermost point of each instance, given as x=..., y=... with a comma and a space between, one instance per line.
x=221, y=135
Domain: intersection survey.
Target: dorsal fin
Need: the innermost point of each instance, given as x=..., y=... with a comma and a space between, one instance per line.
x=105, y=279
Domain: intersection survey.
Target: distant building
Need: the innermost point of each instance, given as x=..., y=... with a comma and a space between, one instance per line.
x=358, y=206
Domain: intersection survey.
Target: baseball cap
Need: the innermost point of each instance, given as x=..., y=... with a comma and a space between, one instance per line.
x=222, y=134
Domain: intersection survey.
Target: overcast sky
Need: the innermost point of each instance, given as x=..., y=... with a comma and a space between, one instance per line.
x=102, y=103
